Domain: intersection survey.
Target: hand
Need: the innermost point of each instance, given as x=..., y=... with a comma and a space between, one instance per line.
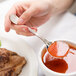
x=31, y=14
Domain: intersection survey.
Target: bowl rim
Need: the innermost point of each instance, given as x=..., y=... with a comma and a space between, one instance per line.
x=47, y=69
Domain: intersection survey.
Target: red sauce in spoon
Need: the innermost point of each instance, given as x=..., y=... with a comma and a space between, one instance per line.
x=58, y=49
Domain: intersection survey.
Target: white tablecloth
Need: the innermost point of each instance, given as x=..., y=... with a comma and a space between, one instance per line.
x=62, y=27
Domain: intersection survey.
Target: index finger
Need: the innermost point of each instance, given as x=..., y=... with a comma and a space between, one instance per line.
x=7, y=20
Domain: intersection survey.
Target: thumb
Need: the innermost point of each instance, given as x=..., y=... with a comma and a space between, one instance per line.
x=26, y=15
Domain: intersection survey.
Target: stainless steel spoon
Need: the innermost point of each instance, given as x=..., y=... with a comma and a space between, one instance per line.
x=14, y=19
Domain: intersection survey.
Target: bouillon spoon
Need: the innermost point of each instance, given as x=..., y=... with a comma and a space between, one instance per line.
x=62, y=47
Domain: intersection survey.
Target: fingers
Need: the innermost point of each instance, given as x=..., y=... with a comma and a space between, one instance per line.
x=7, y=20
x=26, y=16
x=23, y=30
x=15, y=9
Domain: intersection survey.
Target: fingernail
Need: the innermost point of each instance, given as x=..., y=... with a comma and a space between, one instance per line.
x=20, y=21
x=23, y=29
x=34, y=29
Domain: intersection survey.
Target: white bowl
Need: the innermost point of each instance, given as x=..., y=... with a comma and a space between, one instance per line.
x=49, y=72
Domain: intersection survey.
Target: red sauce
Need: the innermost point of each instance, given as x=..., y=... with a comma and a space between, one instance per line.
x=58, y=49
x=65, y=65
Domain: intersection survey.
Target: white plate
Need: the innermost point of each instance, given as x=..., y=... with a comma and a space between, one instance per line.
x=19, y=46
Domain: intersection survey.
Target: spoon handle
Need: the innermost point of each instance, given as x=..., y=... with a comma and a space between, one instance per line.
x=14, y=19
x=43, y=39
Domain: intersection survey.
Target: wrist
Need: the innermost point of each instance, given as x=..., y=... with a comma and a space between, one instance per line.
x=51, y=6
x=59, y=6
x=48, y=2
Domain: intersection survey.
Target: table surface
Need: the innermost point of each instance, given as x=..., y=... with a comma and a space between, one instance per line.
x=62, y=27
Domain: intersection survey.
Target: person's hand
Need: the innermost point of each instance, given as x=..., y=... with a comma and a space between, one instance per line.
x=31, y=14
x=34, y=13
